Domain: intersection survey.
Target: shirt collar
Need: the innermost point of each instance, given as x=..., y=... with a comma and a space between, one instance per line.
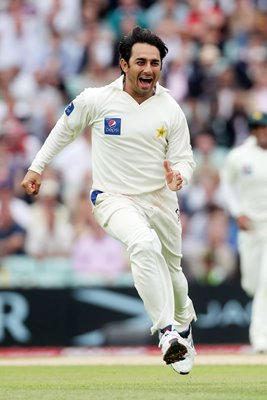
x=118, y=84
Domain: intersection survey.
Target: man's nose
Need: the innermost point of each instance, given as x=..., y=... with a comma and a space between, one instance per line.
x=148, y=67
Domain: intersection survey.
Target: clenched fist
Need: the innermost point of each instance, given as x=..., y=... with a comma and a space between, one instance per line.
x=31, y=182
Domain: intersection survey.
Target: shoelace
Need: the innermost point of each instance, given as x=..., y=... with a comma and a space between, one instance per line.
x=167, y=333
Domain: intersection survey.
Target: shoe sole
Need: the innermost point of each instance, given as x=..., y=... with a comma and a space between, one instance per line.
x=175, y=352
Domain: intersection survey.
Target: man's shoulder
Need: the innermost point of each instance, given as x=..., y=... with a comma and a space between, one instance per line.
x=240, y=153
x=245, y=147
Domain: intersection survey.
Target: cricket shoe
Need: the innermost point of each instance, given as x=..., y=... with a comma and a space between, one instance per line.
x=185, y=365
x=173, y=346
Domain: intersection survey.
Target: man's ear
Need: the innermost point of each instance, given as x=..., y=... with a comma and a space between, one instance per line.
x=124, y=65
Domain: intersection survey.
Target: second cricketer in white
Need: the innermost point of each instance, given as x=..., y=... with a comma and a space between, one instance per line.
x=244, y=179
x=140, y=150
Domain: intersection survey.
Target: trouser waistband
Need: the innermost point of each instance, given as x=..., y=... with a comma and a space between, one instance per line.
x=94, y=195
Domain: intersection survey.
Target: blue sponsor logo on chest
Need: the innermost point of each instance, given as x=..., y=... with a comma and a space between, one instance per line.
x=69, y=109
x=112, y=126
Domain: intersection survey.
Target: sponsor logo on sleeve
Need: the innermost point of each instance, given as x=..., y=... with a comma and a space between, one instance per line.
x=69, y=109
x=112, y=126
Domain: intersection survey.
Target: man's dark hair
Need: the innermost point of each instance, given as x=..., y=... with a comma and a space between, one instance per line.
x=140, y=35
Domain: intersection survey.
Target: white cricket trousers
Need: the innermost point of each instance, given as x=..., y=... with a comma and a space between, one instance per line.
x=253, y=263
x=148, y=225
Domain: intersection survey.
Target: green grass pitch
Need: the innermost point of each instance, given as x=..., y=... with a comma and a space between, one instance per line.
x=126, y=382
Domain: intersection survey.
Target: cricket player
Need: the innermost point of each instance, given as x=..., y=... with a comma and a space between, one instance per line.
x=244, y=179
x=141, y=156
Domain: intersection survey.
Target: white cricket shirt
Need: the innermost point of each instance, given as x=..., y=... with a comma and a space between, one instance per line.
x=130, y=141
x=244, y=179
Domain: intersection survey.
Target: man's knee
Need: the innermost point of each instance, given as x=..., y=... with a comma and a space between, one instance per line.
x=146, y=247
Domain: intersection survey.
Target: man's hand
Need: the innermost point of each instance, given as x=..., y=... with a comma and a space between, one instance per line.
x=243, y=223
x=31, y=182
x=173, y=178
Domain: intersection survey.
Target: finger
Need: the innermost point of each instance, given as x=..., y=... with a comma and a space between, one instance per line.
x=35, y=188
x=29, y=187
x=167, y=166
x=178, y=176
x=168, y=171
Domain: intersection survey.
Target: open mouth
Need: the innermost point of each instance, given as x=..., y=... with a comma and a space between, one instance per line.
x=145, y=82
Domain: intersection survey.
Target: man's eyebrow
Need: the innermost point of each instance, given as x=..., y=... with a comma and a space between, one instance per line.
x=144, y=59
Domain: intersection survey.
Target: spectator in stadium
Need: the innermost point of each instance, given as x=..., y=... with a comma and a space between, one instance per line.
x=66, y=166
x=214, y=259
x=95, y=255
x=139, y=163
x=10, y=189
x=12, y=235
x=206, y=151
x=244, y=180
x=53, y=234
x=162, y=9
x=126, y=10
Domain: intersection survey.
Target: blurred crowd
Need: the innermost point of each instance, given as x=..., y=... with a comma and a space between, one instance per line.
x=50, y=50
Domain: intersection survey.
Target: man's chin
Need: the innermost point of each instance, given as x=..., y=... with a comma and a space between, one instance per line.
x=145, y=90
